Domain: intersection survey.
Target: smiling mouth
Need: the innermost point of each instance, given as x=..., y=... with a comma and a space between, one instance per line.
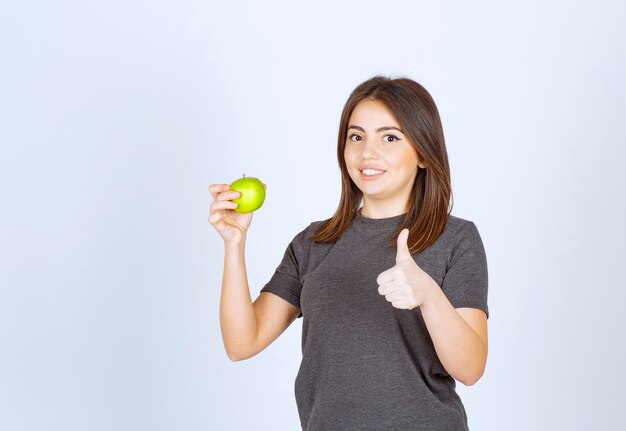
x=371, y=173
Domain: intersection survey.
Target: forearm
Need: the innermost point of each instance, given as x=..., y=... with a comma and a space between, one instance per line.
x=459, y=348
x=237, y=317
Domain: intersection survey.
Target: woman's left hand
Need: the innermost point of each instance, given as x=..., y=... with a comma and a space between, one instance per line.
x=405, y=285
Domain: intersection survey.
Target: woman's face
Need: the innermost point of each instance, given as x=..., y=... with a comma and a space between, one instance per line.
x=380, y=159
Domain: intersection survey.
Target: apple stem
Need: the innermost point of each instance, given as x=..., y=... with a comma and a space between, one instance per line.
x=244, y=175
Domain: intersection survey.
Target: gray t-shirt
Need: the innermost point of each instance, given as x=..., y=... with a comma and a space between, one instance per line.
x=367, y=365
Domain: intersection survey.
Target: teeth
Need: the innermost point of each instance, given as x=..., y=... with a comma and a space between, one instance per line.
x=371, y=172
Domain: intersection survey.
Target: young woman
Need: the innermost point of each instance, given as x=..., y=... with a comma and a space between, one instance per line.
x=392, y=289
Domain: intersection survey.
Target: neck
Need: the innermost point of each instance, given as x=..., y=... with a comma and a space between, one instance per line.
x=380, y=213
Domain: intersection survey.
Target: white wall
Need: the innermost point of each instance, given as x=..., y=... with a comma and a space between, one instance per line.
x=115, y=117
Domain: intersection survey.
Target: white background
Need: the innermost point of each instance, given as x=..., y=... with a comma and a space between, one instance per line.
x=116, y=116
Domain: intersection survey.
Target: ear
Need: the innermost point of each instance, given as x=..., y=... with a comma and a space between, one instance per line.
x=420, y=162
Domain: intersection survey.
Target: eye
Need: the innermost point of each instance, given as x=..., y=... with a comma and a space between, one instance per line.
x=393, y=138
x=390, y=138
x=354, y=137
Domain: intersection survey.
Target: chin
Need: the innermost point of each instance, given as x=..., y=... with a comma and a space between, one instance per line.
x=372, y=191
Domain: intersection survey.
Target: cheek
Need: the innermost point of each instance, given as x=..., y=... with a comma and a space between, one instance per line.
x=348, y=155
x=407, y=159
x=397, y=160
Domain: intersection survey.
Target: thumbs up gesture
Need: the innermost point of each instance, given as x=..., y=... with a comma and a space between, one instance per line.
x=405, y=285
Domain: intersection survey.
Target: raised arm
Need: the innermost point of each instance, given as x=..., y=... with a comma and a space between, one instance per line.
x=459, y=335
x=247, y=328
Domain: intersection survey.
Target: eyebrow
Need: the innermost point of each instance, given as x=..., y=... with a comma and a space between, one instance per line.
x=382, y=129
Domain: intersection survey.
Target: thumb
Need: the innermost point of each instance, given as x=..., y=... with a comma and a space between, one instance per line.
x=403, y=252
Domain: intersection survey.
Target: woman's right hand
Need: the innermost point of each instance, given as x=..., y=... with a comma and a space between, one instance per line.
x=231, y=225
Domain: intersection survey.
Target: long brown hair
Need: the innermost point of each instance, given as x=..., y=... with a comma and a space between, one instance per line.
x=432, y=201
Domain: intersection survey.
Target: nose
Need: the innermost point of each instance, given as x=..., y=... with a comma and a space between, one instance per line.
x=370, y=149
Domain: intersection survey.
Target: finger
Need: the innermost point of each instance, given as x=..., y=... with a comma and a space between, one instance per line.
x=385, y=277
x=214, y=218
x=227, y=195
x=386, y=289
x=218, y=221
x=403, y=252
x=404, y=305
x=395, y=296
x=214, y=189
x=223, y=205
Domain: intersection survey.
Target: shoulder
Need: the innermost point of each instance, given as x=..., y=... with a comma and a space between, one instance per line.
x=458, y=226
x=303, y=237
x=316, y=225
x=464, y=237
x=460, y=231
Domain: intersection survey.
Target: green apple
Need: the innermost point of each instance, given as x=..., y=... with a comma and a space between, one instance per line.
x=252, y=194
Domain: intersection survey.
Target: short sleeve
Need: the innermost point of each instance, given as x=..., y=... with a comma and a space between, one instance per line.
x=285, y=282
x=466, y=280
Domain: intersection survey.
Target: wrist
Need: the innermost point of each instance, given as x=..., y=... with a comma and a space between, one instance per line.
x=235, y=246
x=433, y=295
